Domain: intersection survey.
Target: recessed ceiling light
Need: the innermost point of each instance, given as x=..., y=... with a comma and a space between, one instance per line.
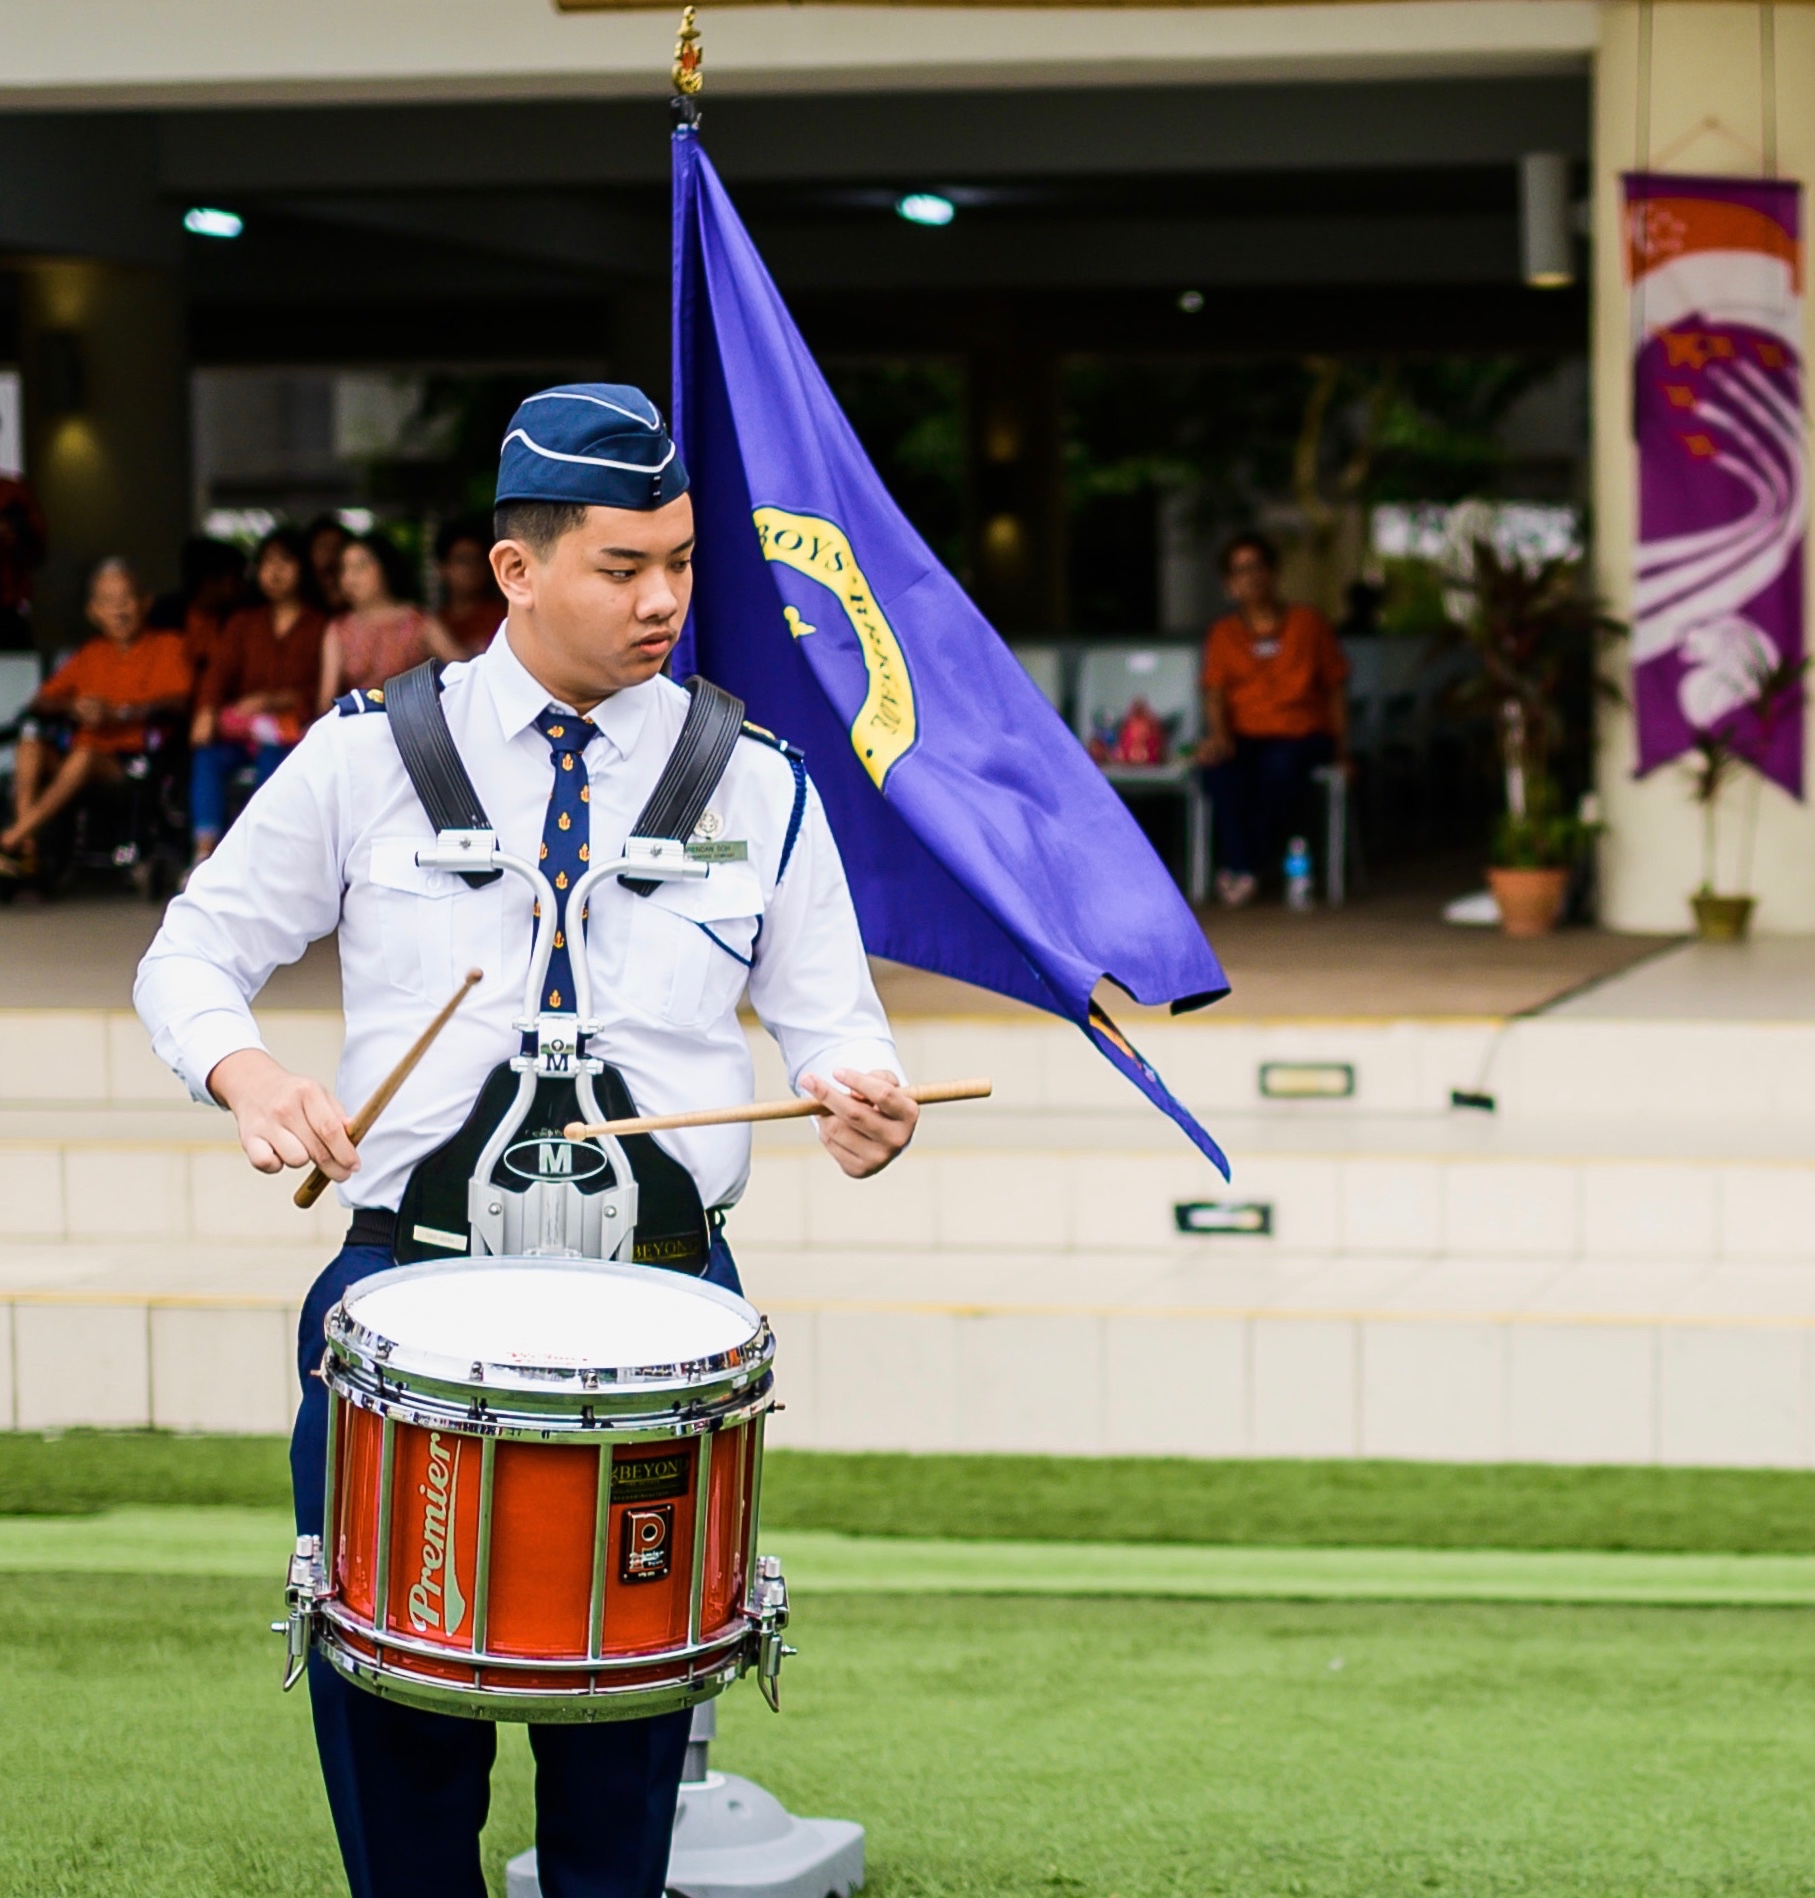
x=205, y=222
x=925, y=207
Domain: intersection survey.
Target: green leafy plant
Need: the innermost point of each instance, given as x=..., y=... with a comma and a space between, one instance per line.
x=1535, y=630
x=1551, y=842
x=1740, y=738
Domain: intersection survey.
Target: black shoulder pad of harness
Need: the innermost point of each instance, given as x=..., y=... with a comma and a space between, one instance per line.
x=709, y=735
x=412, y=701
x=764, y=736
x=351, y=704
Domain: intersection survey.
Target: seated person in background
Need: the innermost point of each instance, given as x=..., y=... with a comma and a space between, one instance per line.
x=472, y=608
x=213, y=586
x=1274, y=710
x=258, y=696
x=110, y=689
x=327, y=542
x=382, y=633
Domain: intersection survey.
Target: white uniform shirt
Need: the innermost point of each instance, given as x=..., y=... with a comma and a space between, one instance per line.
x=331, y=841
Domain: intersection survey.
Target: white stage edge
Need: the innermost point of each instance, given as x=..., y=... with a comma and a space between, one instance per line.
x=1614, y=1265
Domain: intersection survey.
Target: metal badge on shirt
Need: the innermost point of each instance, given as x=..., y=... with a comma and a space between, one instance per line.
x=706, y=846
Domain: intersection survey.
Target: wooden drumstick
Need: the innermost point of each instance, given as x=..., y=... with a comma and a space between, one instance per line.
x=927, y=1095
x=361, y=1124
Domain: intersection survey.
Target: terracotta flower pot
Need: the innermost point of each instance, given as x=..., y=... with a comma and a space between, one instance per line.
x=1530, y=901
x=1722, y=918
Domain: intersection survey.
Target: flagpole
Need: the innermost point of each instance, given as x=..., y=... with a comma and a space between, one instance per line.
x=713, y=1827
x=687, y=74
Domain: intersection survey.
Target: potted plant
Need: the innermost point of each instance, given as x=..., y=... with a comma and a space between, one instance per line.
x=1739, y=735
x=1534, y=853
x=1533, y=628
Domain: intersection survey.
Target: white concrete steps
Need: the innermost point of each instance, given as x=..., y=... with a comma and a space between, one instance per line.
x=1459, y=1188
x=1574, y=1065
x=1342, y=1184
x=1615, y=1265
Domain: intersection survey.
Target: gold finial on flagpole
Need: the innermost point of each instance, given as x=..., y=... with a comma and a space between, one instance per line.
x=689, y=80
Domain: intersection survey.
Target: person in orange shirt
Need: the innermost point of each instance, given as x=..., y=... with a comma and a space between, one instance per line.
x=111, y=688
x=1275, y=709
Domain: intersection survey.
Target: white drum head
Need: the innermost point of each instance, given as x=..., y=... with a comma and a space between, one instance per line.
x=553, y=1314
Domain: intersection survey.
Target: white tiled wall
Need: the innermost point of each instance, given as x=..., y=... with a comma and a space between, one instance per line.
x=877, y=1376
x=1434, y=1390
x=81, y=1364
x=1475, y=1300
x=9, y=1416
x=223, y=1368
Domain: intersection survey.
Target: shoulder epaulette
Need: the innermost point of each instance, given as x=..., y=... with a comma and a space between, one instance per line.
x=351, y=704
x=764, y=736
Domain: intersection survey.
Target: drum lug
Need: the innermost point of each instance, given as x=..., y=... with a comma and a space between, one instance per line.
x=769, y=1604
x=305, y=1590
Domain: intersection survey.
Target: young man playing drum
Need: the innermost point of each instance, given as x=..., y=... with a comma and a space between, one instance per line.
x=566, y=717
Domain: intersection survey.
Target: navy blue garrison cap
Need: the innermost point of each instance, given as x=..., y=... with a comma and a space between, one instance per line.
x=598, y=444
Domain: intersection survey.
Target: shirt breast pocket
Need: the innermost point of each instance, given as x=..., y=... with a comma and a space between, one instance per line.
x=691, y=946
x=434, y=928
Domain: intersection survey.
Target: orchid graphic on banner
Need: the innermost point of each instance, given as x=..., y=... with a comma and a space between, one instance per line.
x=979, y=839
x=1715, y=268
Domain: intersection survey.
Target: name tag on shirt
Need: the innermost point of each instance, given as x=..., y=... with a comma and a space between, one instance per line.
x=719, y=850
x=1265, y=648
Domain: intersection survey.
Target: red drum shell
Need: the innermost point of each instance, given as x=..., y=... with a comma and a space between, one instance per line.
x=494, y=1552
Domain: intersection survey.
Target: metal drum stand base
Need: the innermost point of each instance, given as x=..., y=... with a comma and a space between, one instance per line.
x=733, y=1840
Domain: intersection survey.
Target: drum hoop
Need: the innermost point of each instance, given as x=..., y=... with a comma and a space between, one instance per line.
x=544, y=1705
x=516, y=1416
x=391, y=1360
x=727, y=1642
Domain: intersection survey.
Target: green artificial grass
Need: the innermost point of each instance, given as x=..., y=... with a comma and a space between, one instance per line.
x=72, y=1472
x=1330, y=1504
x=1012, y=1748
x=253, y=1543
x=1066, y=1499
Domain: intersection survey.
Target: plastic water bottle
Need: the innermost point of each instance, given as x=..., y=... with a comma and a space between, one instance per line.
x=1298, y=874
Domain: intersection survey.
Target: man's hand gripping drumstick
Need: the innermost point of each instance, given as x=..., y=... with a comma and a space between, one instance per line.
x=863, y=1123
x=287, y=1120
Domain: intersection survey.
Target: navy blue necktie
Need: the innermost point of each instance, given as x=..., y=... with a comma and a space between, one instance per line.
x=566, y=835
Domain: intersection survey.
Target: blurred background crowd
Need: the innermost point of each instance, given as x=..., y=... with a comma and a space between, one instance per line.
x=179, y=705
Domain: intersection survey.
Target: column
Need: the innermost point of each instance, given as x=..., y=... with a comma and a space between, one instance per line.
x=1704, y=63
x=106, y=424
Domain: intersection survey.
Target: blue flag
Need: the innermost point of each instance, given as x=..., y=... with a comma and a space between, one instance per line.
x=980, y=840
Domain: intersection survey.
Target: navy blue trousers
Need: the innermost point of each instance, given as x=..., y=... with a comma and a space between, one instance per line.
x=409, y=1790
x=1259, y=799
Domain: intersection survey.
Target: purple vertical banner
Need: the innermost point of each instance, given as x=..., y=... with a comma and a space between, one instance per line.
x=1715, y=273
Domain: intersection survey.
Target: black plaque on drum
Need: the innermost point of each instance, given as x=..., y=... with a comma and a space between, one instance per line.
x=648, y=1545
x=649, y=1479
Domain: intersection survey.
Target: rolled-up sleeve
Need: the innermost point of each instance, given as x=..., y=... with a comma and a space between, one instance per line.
x=810, y=981
x=272, y=888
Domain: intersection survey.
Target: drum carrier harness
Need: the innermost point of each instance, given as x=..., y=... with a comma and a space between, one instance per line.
x=510, y=1182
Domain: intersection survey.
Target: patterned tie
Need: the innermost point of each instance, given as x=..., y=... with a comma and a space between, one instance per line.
x=566, y=833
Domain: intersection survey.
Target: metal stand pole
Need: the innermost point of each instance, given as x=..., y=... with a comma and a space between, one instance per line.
x=733, y=1840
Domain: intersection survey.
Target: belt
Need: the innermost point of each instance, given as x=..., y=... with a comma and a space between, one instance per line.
x=377, y=1226
x=373, y=1226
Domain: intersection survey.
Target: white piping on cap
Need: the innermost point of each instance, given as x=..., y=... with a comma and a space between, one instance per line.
x=588, y=461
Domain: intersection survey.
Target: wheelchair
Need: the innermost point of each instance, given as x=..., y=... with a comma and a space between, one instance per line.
x=135, y=830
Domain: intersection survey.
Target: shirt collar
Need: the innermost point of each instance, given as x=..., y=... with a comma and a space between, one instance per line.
x=521, y=699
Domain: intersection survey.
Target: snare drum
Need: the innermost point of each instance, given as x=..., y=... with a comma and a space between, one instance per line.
x=542, y=1488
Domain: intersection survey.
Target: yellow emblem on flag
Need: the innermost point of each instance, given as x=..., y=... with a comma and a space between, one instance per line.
x=883, y=731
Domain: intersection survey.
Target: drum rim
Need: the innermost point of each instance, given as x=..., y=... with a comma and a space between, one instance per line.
x=389, y=1359
x=542, y=1705
x=617, y=1415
